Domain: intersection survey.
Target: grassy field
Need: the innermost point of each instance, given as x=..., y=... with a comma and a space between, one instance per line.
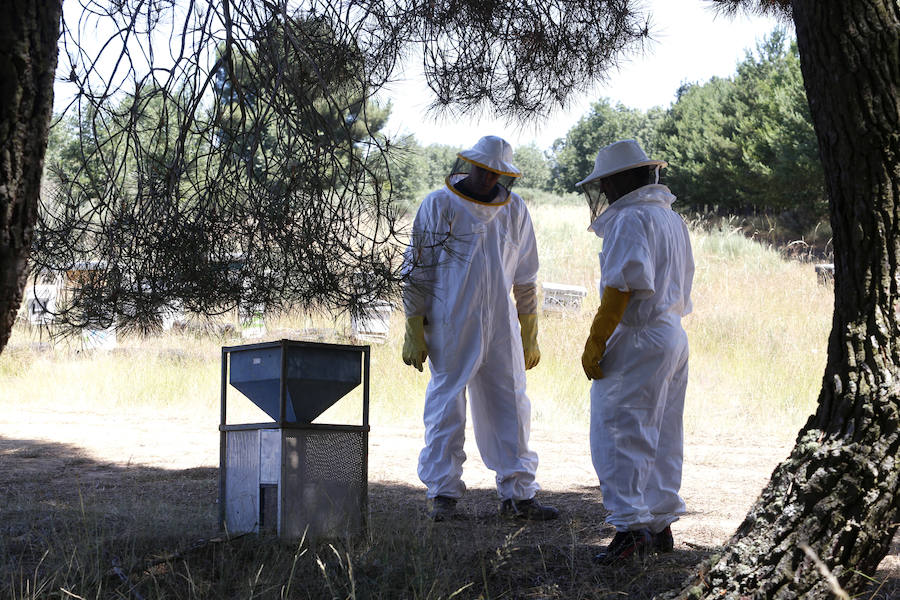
x=758, y=337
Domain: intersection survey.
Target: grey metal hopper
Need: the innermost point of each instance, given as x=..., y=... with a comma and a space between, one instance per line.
x=316, y=376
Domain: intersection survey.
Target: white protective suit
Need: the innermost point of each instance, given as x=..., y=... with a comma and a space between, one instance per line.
x=637, y=407
x=467, y=257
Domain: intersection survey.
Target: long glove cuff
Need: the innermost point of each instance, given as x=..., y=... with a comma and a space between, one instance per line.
x=526, y=298
x=415, y=326
x=529, y=326
x=612, y=308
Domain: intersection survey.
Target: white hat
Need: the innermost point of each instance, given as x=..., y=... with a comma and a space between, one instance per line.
x=492, y=153
x=617, y=157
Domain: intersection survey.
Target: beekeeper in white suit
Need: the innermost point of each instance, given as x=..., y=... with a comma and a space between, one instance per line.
x=473, y=242
x=637, y=351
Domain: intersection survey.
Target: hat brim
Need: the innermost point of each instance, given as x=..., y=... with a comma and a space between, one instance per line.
x=600, y=174
x=508, y=170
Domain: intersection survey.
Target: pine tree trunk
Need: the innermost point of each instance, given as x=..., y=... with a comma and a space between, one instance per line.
x=838, y=493
x=28, y=36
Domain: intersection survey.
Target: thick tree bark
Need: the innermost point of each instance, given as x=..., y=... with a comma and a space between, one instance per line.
x=28, y=34
x=838, y=494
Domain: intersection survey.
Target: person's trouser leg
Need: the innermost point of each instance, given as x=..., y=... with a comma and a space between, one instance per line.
x=454, y=354
x=626, y=413
x=441, y=460
x=622, y=456
x=663, y=486
x=501, y=419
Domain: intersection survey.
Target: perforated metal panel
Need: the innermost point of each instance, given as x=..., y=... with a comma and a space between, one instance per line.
x=324, y=486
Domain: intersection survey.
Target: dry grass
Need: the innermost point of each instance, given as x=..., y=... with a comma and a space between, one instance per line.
x=141, y=532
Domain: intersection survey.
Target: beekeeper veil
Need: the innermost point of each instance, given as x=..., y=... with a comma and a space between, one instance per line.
x=615, y=158
x=491, y=153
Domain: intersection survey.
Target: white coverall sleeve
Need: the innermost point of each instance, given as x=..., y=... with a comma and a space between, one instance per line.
x=419, y=264
x=527, y=267
x=627, y=264
x=688, y=274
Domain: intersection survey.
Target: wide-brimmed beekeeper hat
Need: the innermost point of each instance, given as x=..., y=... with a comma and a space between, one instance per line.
x=492, y=153
x=620, y=156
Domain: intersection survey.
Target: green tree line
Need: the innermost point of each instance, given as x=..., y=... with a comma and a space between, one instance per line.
x=739, y=145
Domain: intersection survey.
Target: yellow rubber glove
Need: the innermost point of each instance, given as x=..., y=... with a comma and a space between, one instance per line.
x=415, y=351
x=528, y=324
x=612, y=307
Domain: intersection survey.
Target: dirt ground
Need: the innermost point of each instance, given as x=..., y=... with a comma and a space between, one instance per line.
x=56, y=450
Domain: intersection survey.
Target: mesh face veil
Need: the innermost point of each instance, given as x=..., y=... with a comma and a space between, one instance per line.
x=596, y=198
x=492, y=154
x=463, y=166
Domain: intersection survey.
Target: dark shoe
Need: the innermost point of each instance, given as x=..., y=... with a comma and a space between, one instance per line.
x=530, y=510
x=663, y=541
x=626, y=545
x=441, y=508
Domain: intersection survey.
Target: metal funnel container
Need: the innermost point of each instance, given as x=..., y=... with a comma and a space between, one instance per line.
x=315, y=376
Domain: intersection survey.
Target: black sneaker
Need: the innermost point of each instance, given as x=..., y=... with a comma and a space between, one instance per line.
x=626, y=545
x=530, y=510
x=663, y=541
x=441, y=508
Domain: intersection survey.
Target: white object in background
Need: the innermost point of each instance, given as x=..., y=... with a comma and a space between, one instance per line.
x=561, y=297
x=40, y=302
x=825, y=272
x=252, y=320
x=375, y=324
x=172, y=315
x=99, y=339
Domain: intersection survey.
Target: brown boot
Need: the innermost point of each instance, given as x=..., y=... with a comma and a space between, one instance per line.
x=441, y=508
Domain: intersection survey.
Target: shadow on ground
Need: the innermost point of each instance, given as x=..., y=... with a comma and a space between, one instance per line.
x=104, y=529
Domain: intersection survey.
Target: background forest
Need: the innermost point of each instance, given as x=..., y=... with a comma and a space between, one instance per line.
x=740, y=146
